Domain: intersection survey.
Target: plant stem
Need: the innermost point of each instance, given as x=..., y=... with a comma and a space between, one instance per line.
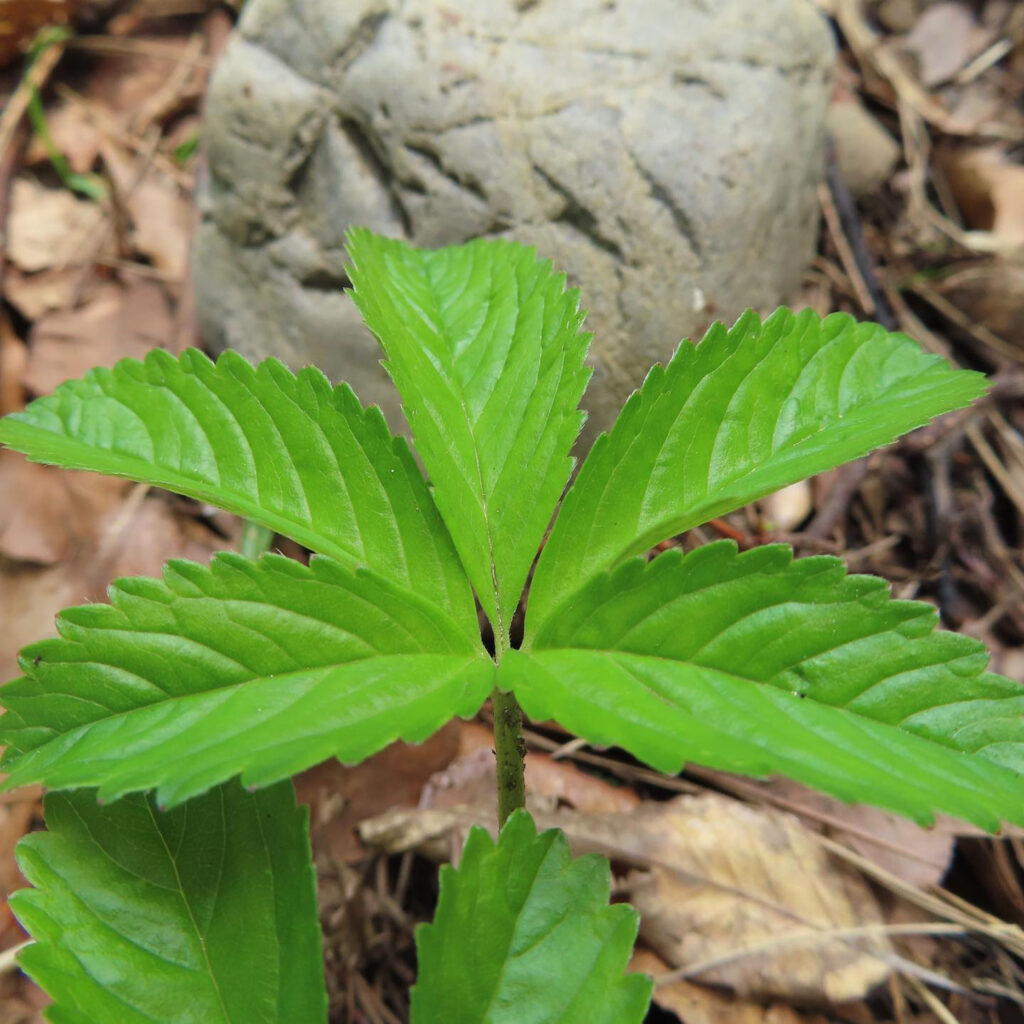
x=255, y=539
x=510, y=752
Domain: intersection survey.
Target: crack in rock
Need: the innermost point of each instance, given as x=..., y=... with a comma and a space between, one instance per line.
x=577, y=126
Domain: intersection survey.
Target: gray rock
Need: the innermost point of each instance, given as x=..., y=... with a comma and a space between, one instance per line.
x=664, y=152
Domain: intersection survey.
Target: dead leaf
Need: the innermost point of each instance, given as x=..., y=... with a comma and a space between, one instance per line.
x=74, y=134
x=748, y=895
x=113, y=528
x=943, y=40
x=17, y=813
x=695, y=1004
x=48, y=227
x=23, y=18
x=49, y=513
x=162, y=220
x=16, y=1003
x=991, y=294
x=920, y=856
x=127, y=82
x=118, y=321
x=898, y=15
x=463, y=795
x=32, y=295
x=866, y=151
x=989, y=190
x=435, y=834
x=161, y=215
x=12, y=367
x=340, y=796
x=753, y=891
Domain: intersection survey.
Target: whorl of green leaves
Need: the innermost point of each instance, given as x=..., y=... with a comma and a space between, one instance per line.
x=256, y=669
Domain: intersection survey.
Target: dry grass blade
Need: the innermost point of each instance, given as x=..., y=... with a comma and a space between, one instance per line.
x=941, y=904
x=128, y=47
x=9, y=957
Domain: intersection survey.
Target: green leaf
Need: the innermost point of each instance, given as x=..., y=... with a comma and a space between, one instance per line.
x=292, y=453
x=524, y=935
x=203, y=915
x=742, y=414
x=759, y=664
x=483, y=344
x=260, y=668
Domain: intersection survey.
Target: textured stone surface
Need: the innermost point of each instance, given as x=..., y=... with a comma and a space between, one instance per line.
x=664, y=152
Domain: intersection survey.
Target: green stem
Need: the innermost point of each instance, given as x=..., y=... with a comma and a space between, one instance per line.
x=255, y=539
x=510, y=752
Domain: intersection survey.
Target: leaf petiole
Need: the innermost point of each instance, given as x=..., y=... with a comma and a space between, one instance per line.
x=509, y=753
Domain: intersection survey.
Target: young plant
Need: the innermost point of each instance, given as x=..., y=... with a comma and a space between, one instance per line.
x=174, y=883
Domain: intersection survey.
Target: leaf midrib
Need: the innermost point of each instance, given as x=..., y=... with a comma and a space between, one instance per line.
x=459, y=394
x=287, y=676
x=715, y=491
x=184, y=900
x=200, y=938
x=506, y=959
x=684, y=519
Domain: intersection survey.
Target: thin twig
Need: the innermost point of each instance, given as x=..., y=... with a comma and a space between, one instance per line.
x=846, y=256
x=995, y=466
x=846, y=484
x=849, y=224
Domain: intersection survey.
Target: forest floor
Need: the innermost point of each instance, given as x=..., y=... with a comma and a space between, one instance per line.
x=922, y=229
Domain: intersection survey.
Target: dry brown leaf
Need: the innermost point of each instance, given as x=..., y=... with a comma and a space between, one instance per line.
x=114, y=528
x=23, y=18
x=749, y=895
x=74, y=134
x=119, y=321
x=898, y=15
x=920, y=856
x=980, y=103
x=695, y=1004
x=17, y=813
x=161, y=215
x=944, y=39
x=16, y=1003
x=990, y=294
x=127, y=82
x=437, y=834
x=340, y=796
x=866, y=151
x=725, y=877
x=989, y=190
x=12, y=367
x=48, y=513
x=162, y=220
x=48, y=227
x=32, y=295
